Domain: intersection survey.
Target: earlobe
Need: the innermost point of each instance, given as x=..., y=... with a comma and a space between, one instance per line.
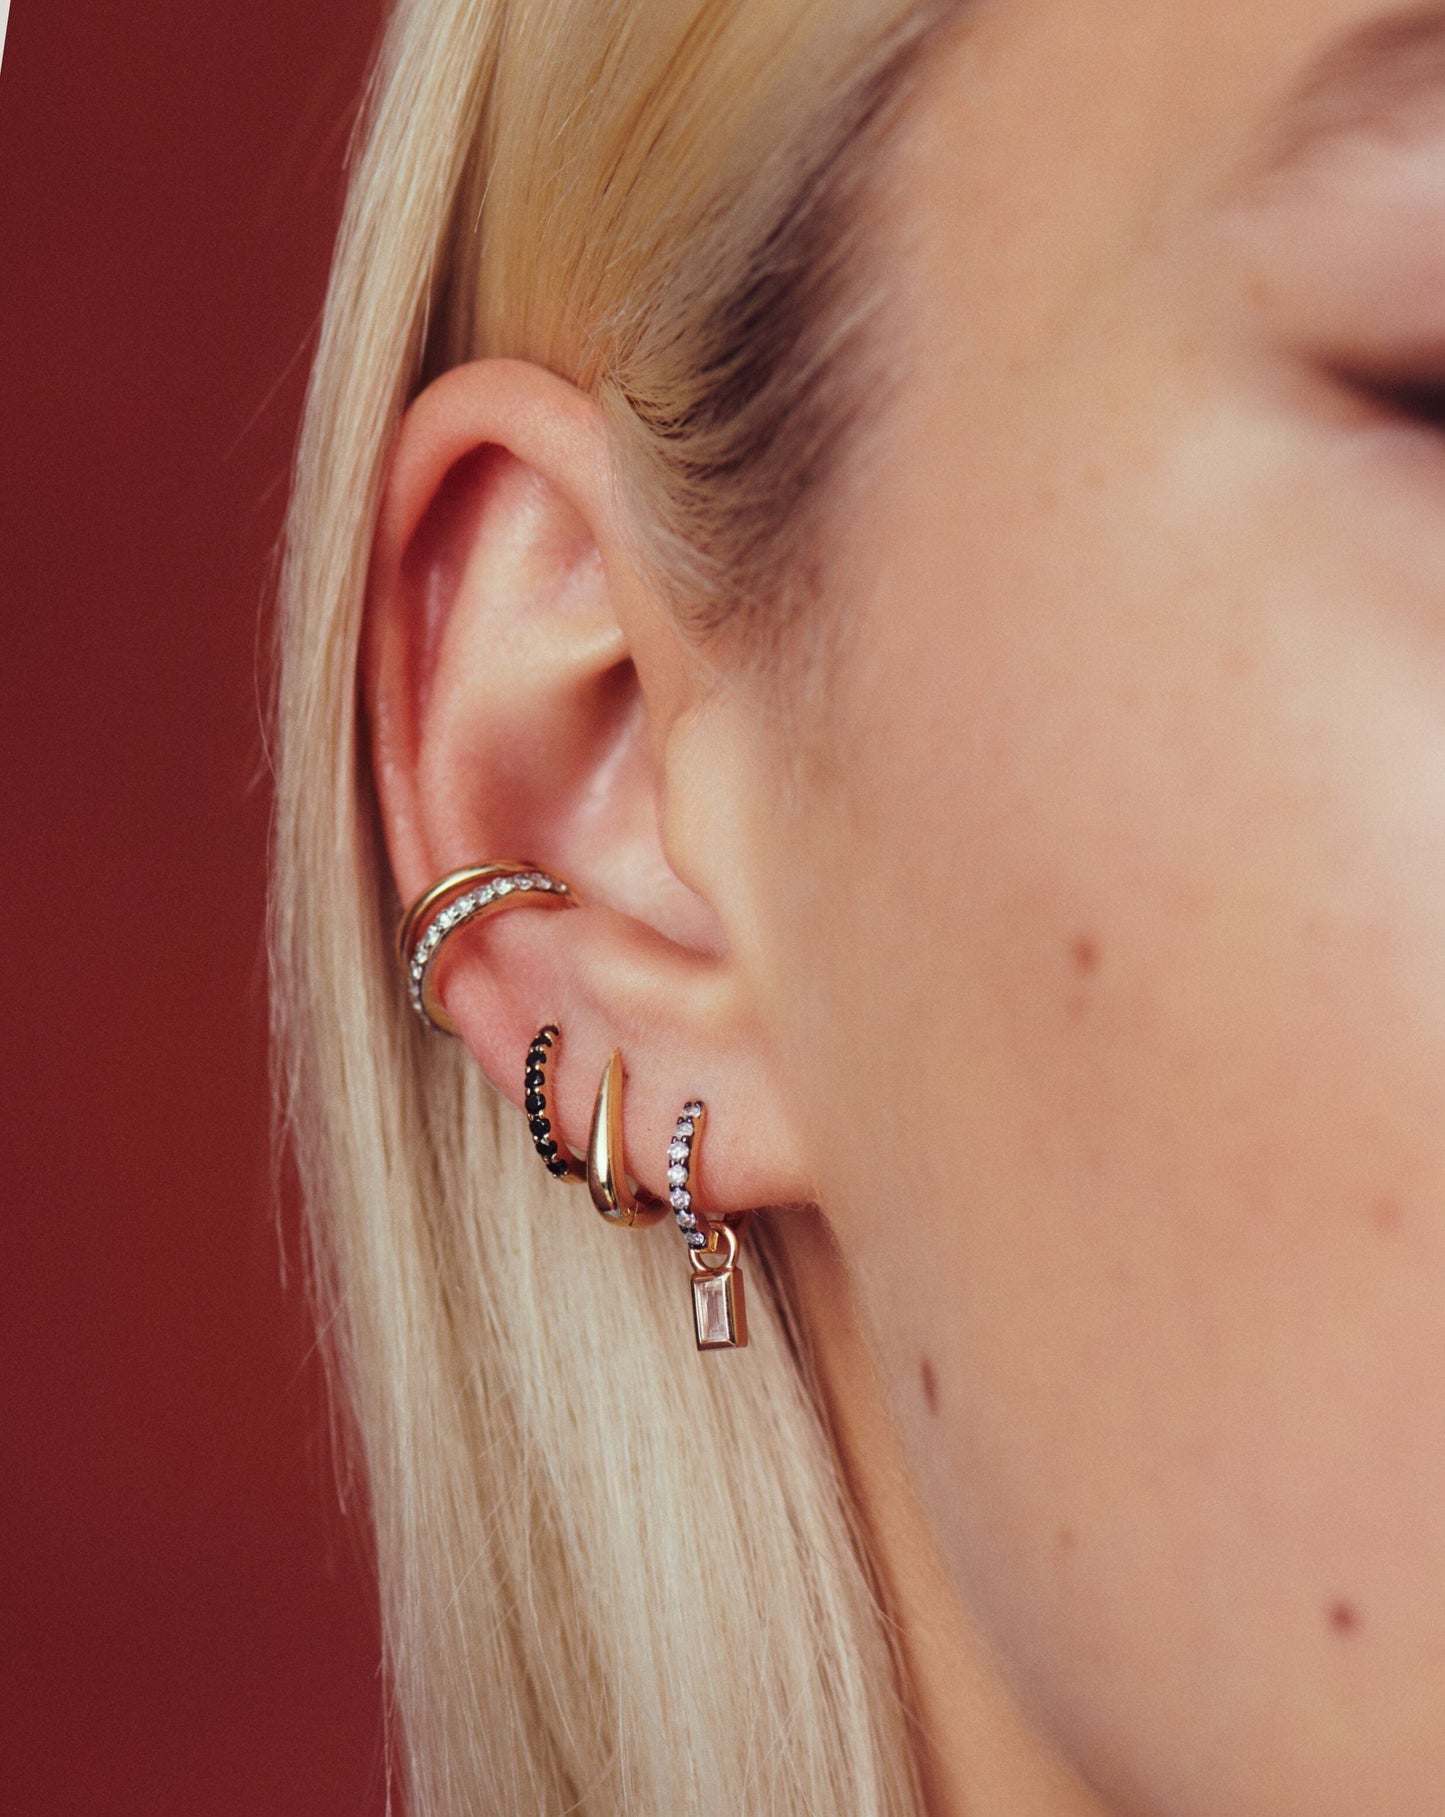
x=521, y=682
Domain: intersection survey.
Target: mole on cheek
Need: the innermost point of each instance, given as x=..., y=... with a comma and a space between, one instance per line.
x=1385, y=1214
x=1085, y=954
x=1084, y=958
x=1344, y=1617
x=930, y=1385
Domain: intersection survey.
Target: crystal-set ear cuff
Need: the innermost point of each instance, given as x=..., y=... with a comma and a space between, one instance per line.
x=454, y=902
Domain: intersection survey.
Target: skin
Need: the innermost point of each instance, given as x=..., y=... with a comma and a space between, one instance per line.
x=1085, y=967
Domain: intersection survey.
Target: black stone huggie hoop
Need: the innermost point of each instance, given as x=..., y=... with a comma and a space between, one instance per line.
x=556, y=1159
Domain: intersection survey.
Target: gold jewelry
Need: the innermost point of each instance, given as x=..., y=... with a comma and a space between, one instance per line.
x=719, y=1309
x=606, y=1169
x=471, y=894
x=558, y=1161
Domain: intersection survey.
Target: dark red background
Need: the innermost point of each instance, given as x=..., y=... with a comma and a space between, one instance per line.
x=186, y=1616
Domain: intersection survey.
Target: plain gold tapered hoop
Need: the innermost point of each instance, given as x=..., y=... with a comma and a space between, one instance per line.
x=606, y=1164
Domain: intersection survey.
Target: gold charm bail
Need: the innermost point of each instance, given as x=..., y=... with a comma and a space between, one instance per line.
x=606, y=1167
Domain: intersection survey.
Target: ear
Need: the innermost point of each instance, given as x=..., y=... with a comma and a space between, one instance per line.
x=530, y=697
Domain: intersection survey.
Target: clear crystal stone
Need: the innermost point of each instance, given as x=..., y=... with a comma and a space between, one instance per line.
x=525, y=883
x=710, y=1300
x=684, y=1128
x=692, y=1110
x=677, y=1176
x=681, y=1200
x=678, y=1150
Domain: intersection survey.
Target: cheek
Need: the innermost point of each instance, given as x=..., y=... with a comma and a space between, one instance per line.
x=1126, y=1063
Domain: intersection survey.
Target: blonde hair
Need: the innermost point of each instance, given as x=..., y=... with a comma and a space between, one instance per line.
x=615, y=1576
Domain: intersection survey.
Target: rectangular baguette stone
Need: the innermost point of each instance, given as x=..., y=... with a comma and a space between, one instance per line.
x=717, y=1306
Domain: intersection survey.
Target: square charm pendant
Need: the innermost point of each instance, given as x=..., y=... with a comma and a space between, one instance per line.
x=719, y=1310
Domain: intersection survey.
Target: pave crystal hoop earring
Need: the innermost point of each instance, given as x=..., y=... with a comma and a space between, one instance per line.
x=453, y=902
x=719, y=1309
x=606, y=1168
x=558, y=1161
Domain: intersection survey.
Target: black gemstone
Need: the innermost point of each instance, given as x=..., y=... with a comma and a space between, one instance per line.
x=535, y=1080
x=547, y=1148
x=535, y=1061
x=540, y=1127
x=535, y=1103
x=543, y=1036
x=558, y=1167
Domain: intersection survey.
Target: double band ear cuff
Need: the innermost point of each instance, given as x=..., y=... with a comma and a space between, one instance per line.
x=558, y=1161
x=455, y=901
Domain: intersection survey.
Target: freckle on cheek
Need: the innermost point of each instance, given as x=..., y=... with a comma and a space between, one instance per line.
x=929, y=1383
x=1344, y=1617
x=1066, y=1539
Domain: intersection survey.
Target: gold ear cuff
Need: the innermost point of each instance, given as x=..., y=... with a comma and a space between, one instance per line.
x=455, y=901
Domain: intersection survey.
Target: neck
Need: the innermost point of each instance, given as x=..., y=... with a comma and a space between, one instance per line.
x=978, y=1755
